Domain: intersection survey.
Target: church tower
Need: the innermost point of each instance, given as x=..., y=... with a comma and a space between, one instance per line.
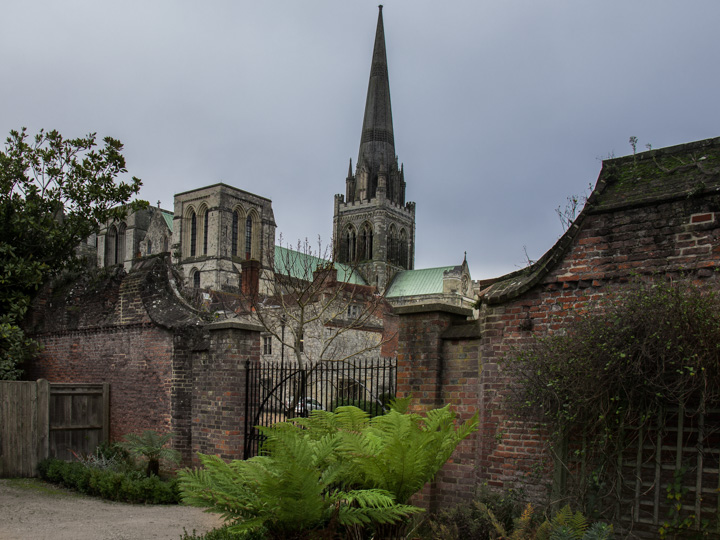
x=373, y=226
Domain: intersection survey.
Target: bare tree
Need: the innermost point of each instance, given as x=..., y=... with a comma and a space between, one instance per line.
x=318, y=310
x=573, y=207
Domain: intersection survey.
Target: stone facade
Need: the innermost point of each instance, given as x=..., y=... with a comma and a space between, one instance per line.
x=158, y=237
x=217, y=227
x=119, y=242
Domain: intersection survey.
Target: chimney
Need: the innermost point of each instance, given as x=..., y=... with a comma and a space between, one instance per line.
x=250, y=279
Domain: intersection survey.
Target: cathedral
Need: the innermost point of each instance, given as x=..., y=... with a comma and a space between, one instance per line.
x=220, y=235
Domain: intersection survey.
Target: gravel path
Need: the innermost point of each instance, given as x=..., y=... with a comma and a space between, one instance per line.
x=32, y=509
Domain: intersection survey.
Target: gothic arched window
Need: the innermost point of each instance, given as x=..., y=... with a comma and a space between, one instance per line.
x=206, y=219
x=234, y=233
x=392, y=251
x=120, y=244
x=349, y=246
x=248, y=237
x=195, y=275
x=366, y=243
x=193, y=234
x=403, y=249
x=110, y=245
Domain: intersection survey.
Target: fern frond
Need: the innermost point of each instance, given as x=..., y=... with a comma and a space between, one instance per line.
x=578, y=523
x=491, y=516
x=523, y=524
x=564, y=532
x=372, y=506
x=400, y=405
x=599, y=531
x=544, y=531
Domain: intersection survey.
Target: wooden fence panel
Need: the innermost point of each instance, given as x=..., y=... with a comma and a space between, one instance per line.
x=39, y=420
x=23, y=427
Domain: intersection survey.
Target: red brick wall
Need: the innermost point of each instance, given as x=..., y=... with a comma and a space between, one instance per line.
x=137, y=362
x=167, y=370
x=457, y=481
x=677, y=240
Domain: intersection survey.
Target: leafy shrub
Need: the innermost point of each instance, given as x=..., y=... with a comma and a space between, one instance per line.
x=132, y=487
x=108, y=456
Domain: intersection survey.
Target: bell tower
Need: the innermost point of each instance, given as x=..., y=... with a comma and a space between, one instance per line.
x=373, y=226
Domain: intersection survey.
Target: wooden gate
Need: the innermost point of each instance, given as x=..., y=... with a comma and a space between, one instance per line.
x=40, y=419
x=79, y=418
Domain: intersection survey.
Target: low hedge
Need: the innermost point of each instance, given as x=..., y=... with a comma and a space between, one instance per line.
x=133, y=487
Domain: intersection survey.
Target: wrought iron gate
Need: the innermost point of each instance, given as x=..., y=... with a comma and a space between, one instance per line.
x=276, y=392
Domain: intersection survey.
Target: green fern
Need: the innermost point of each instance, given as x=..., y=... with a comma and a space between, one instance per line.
x=523, y=524
x=564, y=525
x=151, y=446
x=291, y=488
x=401, y=452
x=331, y=471
x=599, y=531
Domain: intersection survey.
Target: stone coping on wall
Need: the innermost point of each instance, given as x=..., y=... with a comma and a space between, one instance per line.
x=234, y=324
x=432, y=307
x=463, y=330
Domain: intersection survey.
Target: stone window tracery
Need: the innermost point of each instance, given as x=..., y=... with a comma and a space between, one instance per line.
x=403, y=249
x=349, y=245
x=366, y=243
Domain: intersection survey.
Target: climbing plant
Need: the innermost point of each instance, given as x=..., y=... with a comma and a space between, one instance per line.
x=622, y=362
x=615, y=371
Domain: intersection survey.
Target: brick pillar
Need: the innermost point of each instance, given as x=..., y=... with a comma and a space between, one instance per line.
x=422, y=372
x=220, y=374
x=420, y=346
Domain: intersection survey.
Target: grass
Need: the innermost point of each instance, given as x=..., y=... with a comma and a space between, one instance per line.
x=38, y=486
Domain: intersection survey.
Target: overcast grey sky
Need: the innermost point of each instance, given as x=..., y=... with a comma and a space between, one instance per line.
x=501, y=109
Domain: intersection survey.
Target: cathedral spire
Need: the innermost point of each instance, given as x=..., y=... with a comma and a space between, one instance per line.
x=377, y=143
x=373, y=227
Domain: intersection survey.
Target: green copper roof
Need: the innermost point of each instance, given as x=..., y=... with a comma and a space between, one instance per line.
x=417, y=282
x=168, y=216
x=300, y=265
